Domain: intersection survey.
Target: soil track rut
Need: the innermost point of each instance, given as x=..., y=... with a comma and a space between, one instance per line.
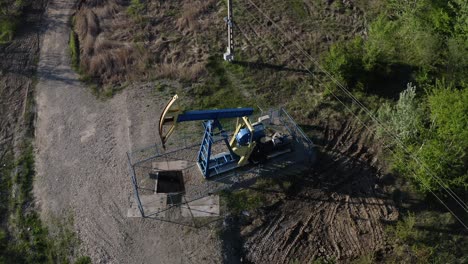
x=337, y=213
x=81, y=165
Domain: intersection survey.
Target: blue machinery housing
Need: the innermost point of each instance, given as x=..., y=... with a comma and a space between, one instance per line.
x=222, y=162
x=216, y=114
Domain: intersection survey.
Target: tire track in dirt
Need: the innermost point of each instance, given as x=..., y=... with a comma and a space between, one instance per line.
x=337, y=214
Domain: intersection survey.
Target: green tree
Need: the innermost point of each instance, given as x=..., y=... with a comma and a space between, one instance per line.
x=405, y=119
x=437, y=152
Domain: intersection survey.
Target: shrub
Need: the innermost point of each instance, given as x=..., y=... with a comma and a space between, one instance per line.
x=412, y=41
x=405, y=40
x=446, y=148
x=435, y=152
x=7, y=29
x=344, y=62
x=405, y=229
x=381, y=44
x=449, y=108
x=136, y=8
x=457, y=59
x=405, y=119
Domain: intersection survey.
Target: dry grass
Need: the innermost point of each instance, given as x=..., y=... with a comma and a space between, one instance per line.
x=87, y=28
x=191, y=12
x=107, y=11
x=103, y=45
x=87, y=46
x=105, y=60
x=114, y=48
x=178, y=71
x=94, y=3
x=86, y=23
x=175, y=38
x=93, y=23
x=111, y=64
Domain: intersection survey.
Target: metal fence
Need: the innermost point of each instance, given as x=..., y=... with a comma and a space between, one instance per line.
x=140, y=163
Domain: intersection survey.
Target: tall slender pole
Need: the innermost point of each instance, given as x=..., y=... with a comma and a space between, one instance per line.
x=229, y=55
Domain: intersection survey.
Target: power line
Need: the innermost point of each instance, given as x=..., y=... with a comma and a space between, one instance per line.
x=346, y=91
x=368, y=128
x=376, y=120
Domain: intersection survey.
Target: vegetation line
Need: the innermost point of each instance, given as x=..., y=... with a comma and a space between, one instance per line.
x=381, y=125
x=25, y=239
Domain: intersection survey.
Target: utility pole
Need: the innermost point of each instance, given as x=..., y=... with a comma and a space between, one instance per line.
x=229, y=55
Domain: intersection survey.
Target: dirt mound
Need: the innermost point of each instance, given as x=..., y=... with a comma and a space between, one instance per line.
x=336, y=213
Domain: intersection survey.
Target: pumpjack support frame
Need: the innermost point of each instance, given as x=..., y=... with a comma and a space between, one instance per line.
x=198, y=204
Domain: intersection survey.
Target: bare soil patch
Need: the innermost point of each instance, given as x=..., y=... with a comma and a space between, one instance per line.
x=17, y=71
x=336, y=213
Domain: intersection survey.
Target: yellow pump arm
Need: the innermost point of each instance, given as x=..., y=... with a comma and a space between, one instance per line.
x=168, y=117
x=243, y=151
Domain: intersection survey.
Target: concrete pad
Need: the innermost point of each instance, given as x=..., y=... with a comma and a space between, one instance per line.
x=133, y=212
x=171, y=165
x=150, y=203
x=205, y=207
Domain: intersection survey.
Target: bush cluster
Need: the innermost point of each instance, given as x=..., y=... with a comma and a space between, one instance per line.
x=10, y=16
x=424, y=40
x=421, y=42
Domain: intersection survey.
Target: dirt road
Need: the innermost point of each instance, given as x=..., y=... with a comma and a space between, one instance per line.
x=81, y=145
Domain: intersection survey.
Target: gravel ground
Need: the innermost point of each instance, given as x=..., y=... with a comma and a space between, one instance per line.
x=81, y=145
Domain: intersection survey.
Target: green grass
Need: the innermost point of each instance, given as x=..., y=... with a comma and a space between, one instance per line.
x=11, y=14
x=83, y=260
x=74, y=51
x=256, y=196
x=243, y=200
x=365, y=259
x=27, y=240
x=404, y=229
x=23, y=236
x=298, y=9
x=7, y=30
x=136, y=8
x=427, y=237
x=223, y=88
